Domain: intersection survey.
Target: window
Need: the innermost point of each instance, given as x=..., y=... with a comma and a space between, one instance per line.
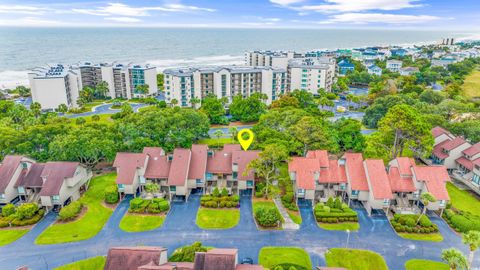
x=55, y=199
x=301, y=191
x=476, y=179
x=173, y=188
x=386, y=201
x=355, y=192
x=21, y=190
x=208, y=176
x=250, y=183
x=2, y=196
x=142, y=180
x=121, y=187
x=235, y=175
x=199, y=181
x=442, y=203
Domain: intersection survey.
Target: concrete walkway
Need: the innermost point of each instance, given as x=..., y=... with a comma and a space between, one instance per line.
x=179, y=229
x=288, y=223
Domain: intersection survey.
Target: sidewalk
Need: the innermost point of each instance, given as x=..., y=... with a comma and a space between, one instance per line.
x=288, y=222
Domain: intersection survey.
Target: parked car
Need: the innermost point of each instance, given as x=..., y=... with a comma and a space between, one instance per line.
x=247, y=260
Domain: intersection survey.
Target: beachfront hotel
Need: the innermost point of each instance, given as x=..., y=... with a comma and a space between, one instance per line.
x=276, y=59
x=185, y=84
x=57, y=84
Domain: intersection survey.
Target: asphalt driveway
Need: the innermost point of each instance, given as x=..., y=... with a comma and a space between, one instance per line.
x=180, y=229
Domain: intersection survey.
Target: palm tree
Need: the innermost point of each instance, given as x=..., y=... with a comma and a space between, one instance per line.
x=218, y=133
x=36, y=109
x=233, y=132
x=194, y=102
x=174, y=102
x=426, y=198
x=454, y=258
x=472, y=239
x=101, y=89
x=62, y=108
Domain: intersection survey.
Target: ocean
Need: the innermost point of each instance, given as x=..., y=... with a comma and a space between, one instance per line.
x=24, y=48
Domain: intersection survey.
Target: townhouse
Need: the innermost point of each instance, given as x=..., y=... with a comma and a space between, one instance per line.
x=52, y=184
x=461, y=158
x=150, y=258
x=56, y=84
x=374, y=70
x=184, y=171
x=396, y=187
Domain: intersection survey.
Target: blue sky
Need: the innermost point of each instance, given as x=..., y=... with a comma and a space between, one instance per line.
x=408, y=14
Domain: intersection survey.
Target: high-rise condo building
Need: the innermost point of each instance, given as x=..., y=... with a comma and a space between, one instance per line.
x=311, y=74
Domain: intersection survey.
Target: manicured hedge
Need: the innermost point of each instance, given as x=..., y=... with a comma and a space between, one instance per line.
x=267, y=217
x=29, y=221
x=336, y=212
x=111, y=194
x=408, y=223
x=462, y=221
x=288, y=201
x=153, y=206
x=219, y=202
x=70, y=211
x=23, y=215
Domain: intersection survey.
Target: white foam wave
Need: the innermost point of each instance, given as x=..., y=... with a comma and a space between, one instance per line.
x=162, y=64
x=12, y=78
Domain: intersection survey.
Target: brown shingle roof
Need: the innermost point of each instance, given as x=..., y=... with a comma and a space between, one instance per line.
x=198, y=163
x=242, y=159
x=249, y=267
x=179, y=167
x=31, y=177
x=55, y=174
x=472, y=150
x=454, y=143
x=221, y=161
x=127, y=164
x=158, y=165
x=437, y=131
x=7, y=170
x=131, y=258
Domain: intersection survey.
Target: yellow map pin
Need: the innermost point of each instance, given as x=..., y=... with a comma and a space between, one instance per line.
x=245, y=143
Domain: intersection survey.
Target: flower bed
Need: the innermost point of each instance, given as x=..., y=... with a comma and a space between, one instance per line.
x=23, y=215
x=211, y=201
x=462, y=221
x=334, y=211
x=408, y=224
x=153, y=206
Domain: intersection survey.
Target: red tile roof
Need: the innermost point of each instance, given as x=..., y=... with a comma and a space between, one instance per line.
x=437, y=131
x=55, y=174
x=198, y=163
x=242, y=159
x=321, y=156
x=438, y=150
x=355, y=171
x=31, y=177
x=179, y=167
x=405, y=165
x=465, y=162
x=472, y=150
x=378, y=179
x=449, y=145
x=304, y=169
x=249, y=267
x=131, y=258
x=127, y=165
x=399, y=183
x=7, y=170
x=158, y=165
x=334, y=174
x=435, y=178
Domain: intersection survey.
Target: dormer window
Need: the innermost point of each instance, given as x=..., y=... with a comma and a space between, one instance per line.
x=24, y=165
x=170, y=157
x=210, y=153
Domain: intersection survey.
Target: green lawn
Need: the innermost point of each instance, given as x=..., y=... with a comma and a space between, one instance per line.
x=432, y=237
x=217, y=218
x=94, y=263
x=471, y=85
x=417, y=264
x=295, y=216
x=355, y=259
x=463, y=200
x=90, y=223
x=140, y=223
x=343, y=226
x=8, y=236
x=272, y=256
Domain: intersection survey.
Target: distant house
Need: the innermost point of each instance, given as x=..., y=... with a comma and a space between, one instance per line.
x=130, y=172
x=448, y=151
x=407, y=71
x=11, y=170
x=398, y=52
x=345, y=66
x=374, y=70
x=443, y=62
x=394, y=65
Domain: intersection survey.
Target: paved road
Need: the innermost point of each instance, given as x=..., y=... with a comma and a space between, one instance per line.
x=179, y=229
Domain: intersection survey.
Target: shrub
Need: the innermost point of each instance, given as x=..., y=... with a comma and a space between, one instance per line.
x=8, y=210
x=5, y=222
x=425, y=222
x=267, y=217
x=223, y=204
x=187, y=253
x=409, y=229
x=330, y=202
x=211, y=204
x=153, y=208
x=136, y=204
x=70, y=211
x=26, y=211
x=258, y=194
x=111, y=194
x=30, y=221
x=338, y=203
x=235, y=198
x=287, y=198
x=224, y=192
x=289, y=266
x=293, y=207
x=216, y=192
x=410, y=222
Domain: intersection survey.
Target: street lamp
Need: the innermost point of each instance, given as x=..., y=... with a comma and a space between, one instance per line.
x=348, y=238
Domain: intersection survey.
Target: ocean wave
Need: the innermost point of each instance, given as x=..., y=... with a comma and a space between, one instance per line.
x=163, y=64
x=12, y=78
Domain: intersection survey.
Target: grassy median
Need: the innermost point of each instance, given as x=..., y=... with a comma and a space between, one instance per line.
x=8, y=236
x=94, y=263
x=417, y=264
x=87, y=225
x=270, y=257
x=141, y=223
x=355, y=259
x=217, y=218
